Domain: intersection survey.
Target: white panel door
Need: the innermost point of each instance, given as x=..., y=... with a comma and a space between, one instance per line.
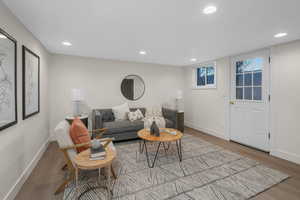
x=249, y=104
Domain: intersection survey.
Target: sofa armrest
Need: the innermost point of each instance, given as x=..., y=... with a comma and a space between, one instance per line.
x=170, y=115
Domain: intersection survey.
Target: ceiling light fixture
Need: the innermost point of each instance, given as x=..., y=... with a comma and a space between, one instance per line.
x=143, y=52
x=66, y=43
x=193, y=59
x=2, y=36
x=209, y=10
x=279, y=35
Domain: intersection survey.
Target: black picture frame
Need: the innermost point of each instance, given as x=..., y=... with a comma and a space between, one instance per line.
x=14, y=41
x=129, y=93
x=24, y=50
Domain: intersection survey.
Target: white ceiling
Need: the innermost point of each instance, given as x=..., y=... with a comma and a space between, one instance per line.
x=170, y=31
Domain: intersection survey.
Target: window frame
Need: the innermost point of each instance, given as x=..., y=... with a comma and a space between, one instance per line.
x=195, y=76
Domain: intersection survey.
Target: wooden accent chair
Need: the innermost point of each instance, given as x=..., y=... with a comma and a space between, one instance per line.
x=68, y=148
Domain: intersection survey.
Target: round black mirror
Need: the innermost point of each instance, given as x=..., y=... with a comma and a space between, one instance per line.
x=133, y=87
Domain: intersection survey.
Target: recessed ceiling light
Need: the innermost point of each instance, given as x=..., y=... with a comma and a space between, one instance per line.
x=279, y=35
x=66, y=43
x=193, y=59
x=143, y=52
x=2, y=36
x=209, y=10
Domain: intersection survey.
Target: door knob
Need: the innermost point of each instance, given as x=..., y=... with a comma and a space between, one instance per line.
x=231, y=102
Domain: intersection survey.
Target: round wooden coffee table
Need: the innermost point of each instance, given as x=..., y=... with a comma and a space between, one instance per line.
x=165, y=137
x=82, y=162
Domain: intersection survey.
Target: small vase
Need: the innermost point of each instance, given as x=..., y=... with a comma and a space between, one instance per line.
x=96, y=144
x=154, y=130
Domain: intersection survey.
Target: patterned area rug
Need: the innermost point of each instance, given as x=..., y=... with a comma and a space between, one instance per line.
x=207, y=172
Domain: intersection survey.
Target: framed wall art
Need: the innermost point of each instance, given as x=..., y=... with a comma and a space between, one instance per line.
x=8, y=80
x=31, y=83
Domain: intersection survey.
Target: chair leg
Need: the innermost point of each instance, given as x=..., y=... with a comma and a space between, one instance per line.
x=64, y=167
x=113, y=172
x=63, y=185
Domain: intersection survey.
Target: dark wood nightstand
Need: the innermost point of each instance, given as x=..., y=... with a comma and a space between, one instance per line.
x=180, y=121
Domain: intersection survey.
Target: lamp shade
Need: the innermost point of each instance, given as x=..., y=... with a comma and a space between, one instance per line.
x=179, y=94
x=76, y=94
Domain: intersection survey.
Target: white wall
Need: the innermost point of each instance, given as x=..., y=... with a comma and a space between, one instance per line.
x=101, y=80
x=22, y=143
x=285, y=100
x=207, y=110
x=204, y=108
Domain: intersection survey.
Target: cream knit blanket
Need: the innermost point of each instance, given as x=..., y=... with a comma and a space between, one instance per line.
x=160, y=122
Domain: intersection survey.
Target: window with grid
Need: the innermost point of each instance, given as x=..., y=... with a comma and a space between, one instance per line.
x=249, y=79
x=206, y=76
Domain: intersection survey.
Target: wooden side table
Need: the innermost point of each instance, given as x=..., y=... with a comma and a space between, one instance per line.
x=82, y=162
x=180, y=121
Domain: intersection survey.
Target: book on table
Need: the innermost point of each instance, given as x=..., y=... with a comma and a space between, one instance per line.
x=98, y=158
x=98, y=153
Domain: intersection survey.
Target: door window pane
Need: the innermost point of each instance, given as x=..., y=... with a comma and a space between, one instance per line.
x=248, y=79
x=239, y=67
x=257, y=93
x=239, y=93
x=239, y=80
x=252, y=65
x=248, y=93
x=257, y=79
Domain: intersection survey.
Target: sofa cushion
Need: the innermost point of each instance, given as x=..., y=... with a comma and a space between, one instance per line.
x=123, y=126
x=121, y=111
x=106, y=115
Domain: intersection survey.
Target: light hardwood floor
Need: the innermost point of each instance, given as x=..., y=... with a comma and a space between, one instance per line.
x=48, y=174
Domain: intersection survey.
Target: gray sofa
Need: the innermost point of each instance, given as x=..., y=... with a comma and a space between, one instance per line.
x=125, y=129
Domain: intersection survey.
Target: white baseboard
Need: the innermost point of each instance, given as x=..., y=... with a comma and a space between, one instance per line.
x=52, y=137
x=286, y=156
x=277, y=153
x=26, y=173
x=206, y=130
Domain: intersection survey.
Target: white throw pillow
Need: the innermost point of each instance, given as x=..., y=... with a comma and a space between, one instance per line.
x=157, y=112
x=121, y=111
x=154, y=112
x=132, y=116
x=136, y=115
